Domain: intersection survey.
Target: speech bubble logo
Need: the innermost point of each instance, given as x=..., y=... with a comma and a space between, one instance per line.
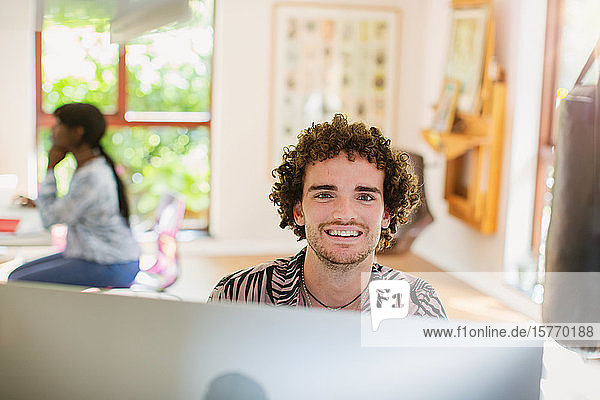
x=389, y=299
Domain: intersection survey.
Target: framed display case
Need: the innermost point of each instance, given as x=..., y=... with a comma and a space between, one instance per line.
x=328, y=59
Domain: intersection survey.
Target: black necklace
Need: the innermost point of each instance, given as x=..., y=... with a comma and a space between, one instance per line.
x=309, y=295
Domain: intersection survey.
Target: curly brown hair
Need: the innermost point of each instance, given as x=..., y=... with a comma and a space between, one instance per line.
x=323, y=141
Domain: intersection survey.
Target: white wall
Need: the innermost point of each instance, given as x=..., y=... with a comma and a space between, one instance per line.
x=241, y=100
x=17, y=81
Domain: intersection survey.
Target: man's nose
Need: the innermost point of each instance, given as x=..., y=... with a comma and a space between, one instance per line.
x=344, y=209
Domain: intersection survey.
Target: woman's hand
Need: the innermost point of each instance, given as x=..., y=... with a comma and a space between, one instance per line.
x=24, y=202
x=55, y=155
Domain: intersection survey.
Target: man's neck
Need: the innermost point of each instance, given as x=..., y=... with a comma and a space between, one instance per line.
x=334, y=284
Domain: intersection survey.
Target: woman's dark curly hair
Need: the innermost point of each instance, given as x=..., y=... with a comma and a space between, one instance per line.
x=323, y=141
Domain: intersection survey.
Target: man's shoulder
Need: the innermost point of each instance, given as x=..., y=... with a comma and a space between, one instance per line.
x=422, y=293
x=387, y=273
x=253, y=283
x=259, y=269
x=416, y=284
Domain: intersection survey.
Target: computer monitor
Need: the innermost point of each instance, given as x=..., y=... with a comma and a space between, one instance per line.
x=57, y=343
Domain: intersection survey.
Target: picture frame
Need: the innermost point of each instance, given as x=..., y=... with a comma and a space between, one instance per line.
x=467, y=53
x=446, y=108
x=329, y=59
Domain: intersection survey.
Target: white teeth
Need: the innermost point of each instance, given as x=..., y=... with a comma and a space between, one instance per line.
x=337, y=232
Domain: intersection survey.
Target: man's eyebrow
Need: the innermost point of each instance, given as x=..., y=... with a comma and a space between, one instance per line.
x=321, y=187
x=367, y=189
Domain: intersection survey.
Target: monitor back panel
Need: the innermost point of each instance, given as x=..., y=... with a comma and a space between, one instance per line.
x=57, y=343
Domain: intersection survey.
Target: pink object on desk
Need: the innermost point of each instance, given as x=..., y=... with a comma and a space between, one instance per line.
x=8, y=225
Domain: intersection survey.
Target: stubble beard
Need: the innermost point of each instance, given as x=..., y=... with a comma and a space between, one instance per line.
x=340, y=262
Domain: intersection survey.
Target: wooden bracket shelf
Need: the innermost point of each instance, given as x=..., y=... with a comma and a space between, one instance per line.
x=474, y=162
x=453, y=145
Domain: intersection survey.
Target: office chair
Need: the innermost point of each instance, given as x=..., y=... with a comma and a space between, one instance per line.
x=153, y=279
x=419, y=217
x=165, y=270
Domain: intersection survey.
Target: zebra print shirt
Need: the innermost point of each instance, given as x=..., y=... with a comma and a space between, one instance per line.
x=278, y=282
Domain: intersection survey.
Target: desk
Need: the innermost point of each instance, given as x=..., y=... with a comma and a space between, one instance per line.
x=30, y=239
x=30, y=231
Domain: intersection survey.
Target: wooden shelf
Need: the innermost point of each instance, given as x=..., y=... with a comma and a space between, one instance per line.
x=453, y=145
x=474, y=162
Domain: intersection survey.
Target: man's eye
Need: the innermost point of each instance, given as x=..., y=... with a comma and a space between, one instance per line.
x=323, y=196
x=365, y=197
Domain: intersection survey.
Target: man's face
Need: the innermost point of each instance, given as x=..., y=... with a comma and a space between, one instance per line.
x=342, y=209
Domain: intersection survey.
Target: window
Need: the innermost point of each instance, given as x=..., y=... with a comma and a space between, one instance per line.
x=154, y=92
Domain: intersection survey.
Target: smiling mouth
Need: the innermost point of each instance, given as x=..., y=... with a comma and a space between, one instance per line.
x=343, y=233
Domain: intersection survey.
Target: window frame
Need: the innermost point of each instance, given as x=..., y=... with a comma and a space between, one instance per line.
x=45, y=120
x=117, y=119
x=548, y=115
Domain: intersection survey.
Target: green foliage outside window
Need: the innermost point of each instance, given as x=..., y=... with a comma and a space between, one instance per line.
x=170, y=70
x=156, y=160
x=78, y=65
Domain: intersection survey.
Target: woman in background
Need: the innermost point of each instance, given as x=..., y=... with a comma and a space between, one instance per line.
x=101, y=250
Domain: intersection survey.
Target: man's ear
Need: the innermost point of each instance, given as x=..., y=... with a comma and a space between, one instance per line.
x=385, y=221
x=298, y=214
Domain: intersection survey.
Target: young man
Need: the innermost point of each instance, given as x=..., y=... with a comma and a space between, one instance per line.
x=344, y=190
